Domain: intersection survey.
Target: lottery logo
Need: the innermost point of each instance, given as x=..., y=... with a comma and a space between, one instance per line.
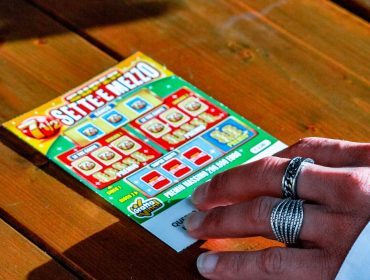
x=155, y=180
x=90, y=131
x=126, y=145
x=176, y=168
x=86, y=165
x=193, y=106
x=156, y=128
x=174, y=117
x=145, y=208
x=106, y=156
x=40, y=127
x=197, y=156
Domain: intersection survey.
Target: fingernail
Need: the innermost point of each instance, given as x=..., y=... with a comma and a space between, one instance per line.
x=199, y=194
x=207, y=262
x=194, y=220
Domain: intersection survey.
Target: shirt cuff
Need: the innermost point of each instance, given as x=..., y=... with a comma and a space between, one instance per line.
x=356, y=265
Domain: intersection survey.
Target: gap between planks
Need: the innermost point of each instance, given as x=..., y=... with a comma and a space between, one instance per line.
x=43, y=246
x=96, y=43
x=33, y=250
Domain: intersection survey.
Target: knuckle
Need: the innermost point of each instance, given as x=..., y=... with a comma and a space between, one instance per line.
x=219, y=181
x=271, y=261
x=310, y=142
x=238, y=264
x=267, y=164
x=261, y=210
x=232, y=265
x=330, y=263
x=362, y=154
x=365, y=153
x=354, y=186
x=215, y=219
x=215, y=190
x=356, y=178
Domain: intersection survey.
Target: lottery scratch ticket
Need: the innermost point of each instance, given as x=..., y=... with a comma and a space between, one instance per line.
x=143, y=139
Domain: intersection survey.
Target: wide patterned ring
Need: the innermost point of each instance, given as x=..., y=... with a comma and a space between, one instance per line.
x=286, y=220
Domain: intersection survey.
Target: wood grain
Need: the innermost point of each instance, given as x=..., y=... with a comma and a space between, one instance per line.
x=293, y=81
x=335, y=33
x=20, y=259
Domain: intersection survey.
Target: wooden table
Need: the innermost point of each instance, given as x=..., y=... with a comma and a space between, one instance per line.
x=296, y=68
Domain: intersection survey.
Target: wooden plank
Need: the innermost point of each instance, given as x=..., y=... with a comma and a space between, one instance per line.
x=250, y=69
x=309, y=21
x=359, y=7
x=335, y=33
x=305, y=86
x=66, y=219
x=20, y=259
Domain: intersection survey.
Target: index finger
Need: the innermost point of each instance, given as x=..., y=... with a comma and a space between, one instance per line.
x=262, y=178
x=330, y=152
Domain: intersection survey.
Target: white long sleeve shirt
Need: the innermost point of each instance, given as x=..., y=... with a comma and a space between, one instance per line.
x=356, y=266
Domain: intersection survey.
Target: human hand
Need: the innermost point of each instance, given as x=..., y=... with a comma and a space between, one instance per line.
x=238, y=203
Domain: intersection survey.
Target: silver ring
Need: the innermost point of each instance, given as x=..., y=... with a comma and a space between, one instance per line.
x=286, y=220
x=289, y=181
